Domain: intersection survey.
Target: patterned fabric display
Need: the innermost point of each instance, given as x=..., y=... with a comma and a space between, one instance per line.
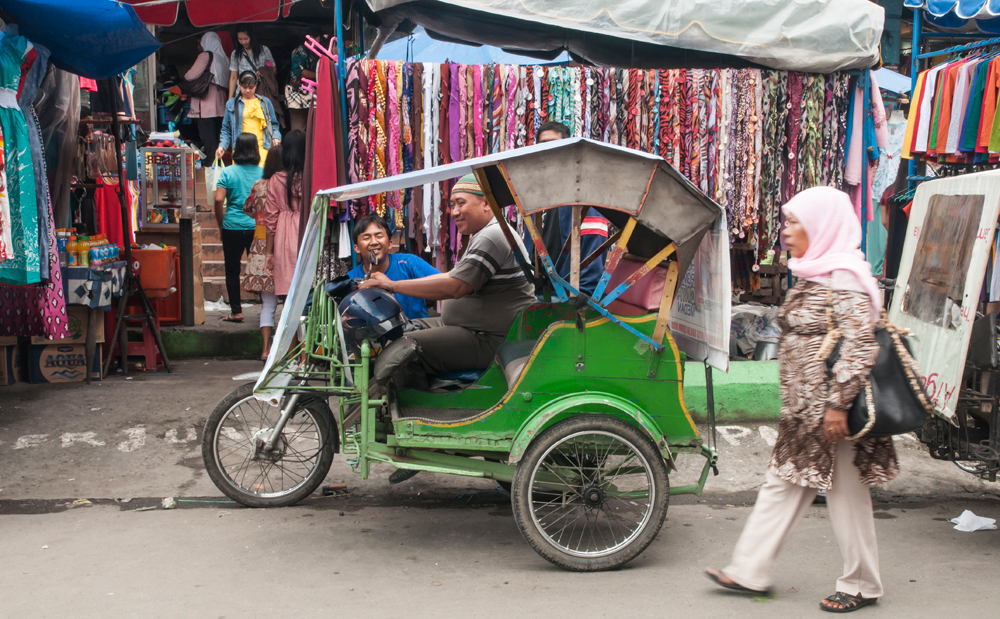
x=748, y=138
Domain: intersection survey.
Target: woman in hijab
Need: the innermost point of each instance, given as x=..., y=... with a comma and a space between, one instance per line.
x=210, y=108
x=813, y=450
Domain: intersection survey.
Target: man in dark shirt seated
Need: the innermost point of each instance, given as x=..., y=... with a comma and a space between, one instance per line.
x=481, y=296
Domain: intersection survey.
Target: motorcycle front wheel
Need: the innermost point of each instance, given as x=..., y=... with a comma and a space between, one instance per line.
x=232, y=449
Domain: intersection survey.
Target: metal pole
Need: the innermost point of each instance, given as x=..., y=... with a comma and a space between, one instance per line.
x=338, y=8
x=186, y=234
x=918, y=27
x=710, y=393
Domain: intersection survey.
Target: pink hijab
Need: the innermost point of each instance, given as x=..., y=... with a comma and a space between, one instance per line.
x=834, y=256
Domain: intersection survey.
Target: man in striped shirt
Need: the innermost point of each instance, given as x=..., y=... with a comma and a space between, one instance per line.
x=482, y=295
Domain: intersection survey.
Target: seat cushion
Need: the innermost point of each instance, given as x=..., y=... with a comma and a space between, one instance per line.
x=512, y=357
x=646, y=292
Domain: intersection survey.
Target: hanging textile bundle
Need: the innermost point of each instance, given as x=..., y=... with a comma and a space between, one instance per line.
x=750, y=139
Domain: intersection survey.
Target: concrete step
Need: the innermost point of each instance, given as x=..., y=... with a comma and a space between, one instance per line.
x=211, y=251
x=212, y=268
x=215, y=288
x=207, y=219
x=210, y=235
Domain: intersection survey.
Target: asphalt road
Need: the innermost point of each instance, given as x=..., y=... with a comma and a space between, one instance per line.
x=80, y=468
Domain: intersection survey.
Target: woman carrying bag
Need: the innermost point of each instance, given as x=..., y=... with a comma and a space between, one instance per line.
x=249, y=113
x=209, y=75
x=236, y=228
x=813, y=451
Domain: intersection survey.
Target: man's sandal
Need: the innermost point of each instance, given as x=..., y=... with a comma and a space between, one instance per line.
x=716, y=576
x=848, y=603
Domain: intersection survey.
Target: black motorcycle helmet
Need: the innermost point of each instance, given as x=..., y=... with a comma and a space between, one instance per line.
x=371, y=315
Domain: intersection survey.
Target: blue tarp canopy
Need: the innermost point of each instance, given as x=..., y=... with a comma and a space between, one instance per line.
x=421, y=47
x=981, y=15
x=93, y=38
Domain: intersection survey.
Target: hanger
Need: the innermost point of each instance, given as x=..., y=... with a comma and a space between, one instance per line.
x=315, y=47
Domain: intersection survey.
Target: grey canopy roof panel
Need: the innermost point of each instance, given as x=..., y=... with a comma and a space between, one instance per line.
x=618, y=181
x=819, y=36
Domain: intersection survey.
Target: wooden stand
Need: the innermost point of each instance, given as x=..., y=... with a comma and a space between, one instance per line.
x=131, y=286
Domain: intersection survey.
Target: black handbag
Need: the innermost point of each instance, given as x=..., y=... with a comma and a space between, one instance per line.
x=198, y=87
x=893, y=399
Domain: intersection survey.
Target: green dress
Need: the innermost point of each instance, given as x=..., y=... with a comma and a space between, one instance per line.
x=23, y=266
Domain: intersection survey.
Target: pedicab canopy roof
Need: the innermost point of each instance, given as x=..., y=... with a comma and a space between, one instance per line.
x=618, y=182
x=813, y=35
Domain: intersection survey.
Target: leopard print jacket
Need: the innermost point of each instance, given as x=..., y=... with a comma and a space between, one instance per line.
x=802, y=454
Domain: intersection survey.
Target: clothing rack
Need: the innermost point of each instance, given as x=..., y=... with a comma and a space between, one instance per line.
x=959, y=48
x=918, y=37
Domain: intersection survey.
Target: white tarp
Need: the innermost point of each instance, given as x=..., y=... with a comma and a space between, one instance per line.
x=935, y=290
x=802, y=35
x=699, y=319
x=295, y=304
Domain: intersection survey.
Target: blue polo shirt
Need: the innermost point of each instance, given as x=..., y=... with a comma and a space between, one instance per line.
x=403, y=267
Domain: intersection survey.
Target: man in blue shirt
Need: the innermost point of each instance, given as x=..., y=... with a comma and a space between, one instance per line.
x=371, y=242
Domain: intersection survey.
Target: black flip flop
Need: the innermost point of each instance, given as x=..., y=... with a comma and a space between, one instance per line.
x=736, y=587
x=848, y=603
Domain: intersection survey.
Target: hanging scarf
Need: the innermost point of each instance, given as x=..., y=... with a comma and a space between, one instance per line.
x=515, y=105
x=579, y=87
x=470, y=113
x=712, y=133
x=354, y=174
x=634, y=94
x=377, y=149
x=464, y=119
x=811, y=132
x=456, y=113
x=497, y=111
x=392, y=132
x=772, y=156
x=477, y=110
x=794, y=121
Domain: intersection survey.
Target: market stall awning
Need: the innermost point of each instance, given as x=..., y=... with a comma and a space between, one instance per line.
x=93, y=38
x=212, y=12
x=981, y=15
x=816, y=36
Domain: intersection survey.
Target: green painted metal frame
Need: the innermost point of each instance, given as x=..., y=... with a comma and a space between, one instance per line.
x=320, y=358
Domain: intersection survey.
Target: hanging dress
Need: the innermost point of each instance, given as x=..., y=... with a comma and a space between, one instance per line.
x=5, y=238
x=22, y=266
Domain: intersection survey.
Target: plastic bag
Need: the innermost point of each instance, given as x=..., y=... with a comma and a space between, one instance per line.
x=212, y=174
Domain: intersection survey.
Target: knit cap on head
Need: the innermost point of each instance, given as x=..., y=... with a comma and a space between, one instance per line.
x=467, y=184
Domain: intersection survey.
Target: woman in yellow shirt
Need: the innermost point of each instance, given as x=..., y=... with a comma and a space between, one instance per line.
x=249, y=113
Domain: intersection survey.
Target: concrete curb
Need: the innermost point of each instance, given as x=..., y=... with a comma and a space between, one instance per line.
x=187, y=343
x=749, y=392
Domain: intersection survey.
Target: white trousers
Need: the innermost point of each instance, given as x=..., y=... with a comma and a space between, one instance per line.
x=268, y=308
x=781, y=505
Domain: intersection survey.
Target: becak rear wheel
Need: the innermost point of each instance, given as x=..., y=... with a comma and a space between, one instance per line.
x=591, y=493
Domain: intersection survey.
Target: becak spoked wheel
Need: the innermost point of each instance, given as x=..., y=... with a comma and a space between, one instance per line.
x=591, y=493
x=237, y=459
